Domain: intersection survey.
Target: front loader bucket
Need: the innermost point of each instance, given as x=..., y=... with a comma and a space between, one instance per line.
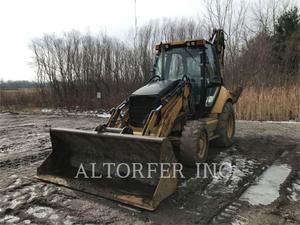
x=79, y=160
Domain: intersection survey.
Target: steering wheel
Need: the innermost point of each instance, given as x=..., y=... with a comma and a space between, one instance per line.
x=153, y=77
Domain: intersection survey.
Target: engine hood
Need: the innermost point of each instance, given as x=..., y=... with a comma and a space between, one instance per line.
x=158, y=88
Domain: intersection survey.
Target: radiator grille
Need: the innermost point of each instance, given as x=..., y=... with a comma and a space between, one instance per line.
x=140, y=108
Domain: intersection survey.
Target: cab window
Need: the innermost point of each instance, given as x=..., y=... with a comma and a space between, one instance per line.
x=212, y=63
x=176, y=67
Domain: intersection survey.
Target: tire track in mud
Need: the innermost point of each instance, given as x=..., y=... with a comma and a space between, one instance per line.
x=247, y=174
x=23, y=159
x=220, y=196
x=221, y=192
x=227, y=214
x=27, y=132
x=30, y=201
x=293, y=189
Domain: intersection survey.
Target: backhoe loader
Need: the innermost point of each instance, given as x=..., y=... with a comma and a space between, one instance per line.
x=171, y=119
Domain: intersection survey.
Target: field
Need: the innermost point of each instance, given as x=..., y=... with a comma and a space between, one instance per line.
x=276, y=103
x=20, y=99
x=259, y=148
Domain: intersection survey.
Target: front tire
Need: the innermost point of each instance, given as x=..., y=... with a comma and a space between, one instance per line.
x=193, y=144
x=226, y=126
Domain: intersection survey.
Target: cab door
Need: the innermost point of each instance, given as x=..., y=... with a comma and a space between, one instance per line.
x=213, y=79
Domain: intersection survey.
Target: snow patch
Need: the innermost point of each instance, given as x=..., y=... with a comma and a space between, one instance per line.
x=240, y=221
x=9, y=219
x=271, y=121
x=39, y=211
x=77, y=112
x=228, y=179
x=47, y=110
x=103, y=115
x=187, y=182
x=295, y=192
x=288, y=121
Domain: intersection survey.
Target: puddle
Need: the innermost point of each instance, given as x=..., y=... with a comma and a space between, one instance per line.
x=266, y=190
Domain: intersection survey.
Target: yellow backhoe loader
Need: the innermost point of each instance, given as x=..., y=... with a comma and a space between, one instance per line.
x=173, y=118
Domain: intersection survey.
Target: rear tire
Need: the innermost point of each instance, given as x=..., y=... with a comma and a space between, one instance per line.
x=193, y=143
x=226, y=126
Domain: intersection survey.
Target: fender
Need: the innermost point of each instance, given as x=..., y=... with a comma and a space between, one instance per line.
x=223, y=97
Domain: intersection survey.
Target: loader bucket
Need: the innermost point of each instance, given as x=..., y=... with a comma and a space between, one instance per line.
x=79, y=160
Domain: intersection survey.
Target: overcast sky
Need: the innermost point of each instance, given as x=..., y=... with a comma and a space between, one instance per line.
x=23, y=20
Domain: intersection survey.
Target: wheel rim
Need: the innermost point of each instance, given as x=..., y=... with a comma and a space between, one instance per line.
x=230, y=127
x=202, y=146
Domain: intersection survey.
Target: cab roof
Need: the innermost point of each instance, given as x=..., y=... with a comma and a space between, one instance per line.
x=189, y=42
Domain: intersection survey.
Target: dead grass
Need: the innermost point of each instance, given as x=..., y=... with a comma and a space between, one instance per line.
x=20, y=99
x=277, y=103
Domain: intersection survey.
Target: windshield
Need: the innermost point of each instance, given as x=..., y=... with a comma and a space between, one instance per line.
x=178, y=62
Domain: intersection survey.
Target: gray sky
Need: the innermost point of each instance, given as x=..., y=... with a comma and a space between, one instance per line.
x=22, y=20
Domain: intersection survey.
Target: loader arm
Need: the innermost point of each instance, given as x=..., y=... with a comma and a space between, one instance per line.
x=160, y=120
x=173, y=105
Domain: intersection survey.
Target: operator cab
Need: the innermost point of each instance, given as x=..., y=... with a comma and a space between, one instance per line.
x=197, y=60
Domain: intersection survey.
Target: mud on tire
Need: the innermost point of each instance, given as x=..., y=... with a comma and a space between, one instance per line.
x=226, y=126
x=193, y=143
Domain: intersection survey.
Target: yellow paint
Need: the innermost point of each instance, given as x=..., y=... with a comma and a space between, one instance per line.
x=223, y=97
x=169, y=113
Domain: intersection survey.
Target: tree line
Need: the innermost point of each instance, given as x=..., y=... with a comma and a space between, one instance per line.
x=73, y=67
x=10, y=84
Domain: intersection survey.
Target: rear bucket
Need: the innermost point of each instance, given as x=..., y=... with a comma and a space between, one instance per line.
x=79, y=160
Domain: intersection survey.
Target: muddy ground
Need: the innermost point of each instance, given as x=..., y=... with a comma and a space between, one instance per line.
x=258, y=148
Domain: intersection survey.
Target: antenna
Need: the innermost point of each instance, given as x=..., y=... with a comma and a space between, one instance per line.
x=135, y=22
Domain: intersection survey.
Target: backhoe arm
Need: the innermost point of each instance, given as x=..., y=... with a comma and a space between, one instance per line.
x=218, y=40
